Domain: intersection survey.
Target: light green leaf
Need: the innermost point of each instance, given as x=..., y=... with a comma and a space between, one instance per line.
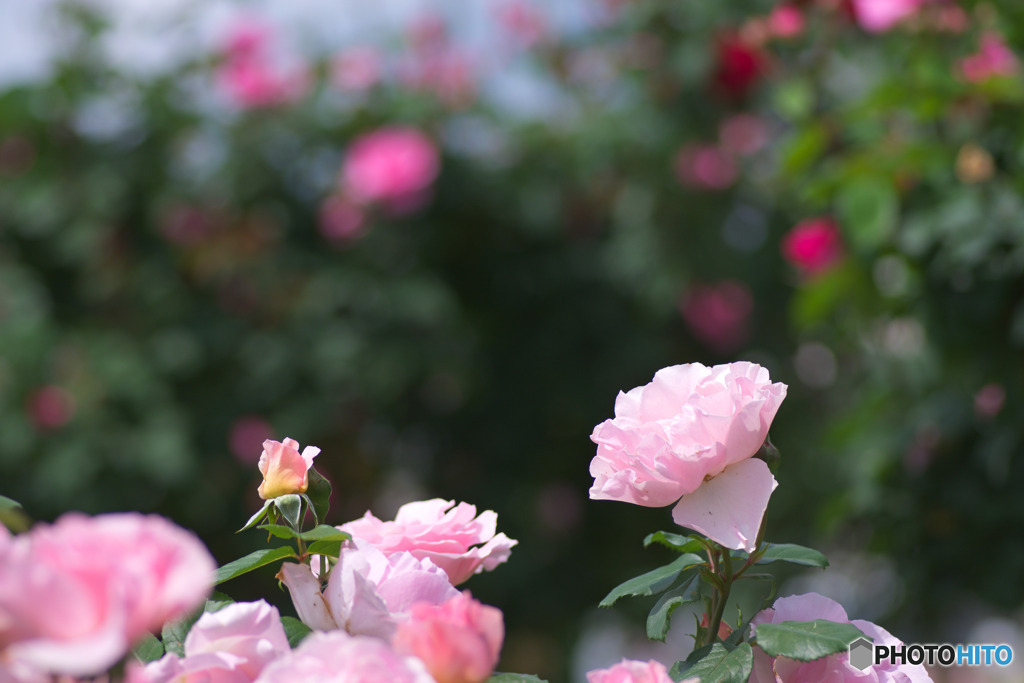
x=660, y=618
x=295, y=630
x=794, y=554
x=149, y=649
x=868, y=209
x=716, y=664
x=290, y=507
x=258, y=516
x=654, y=581
x=253, y=560
x=806, y=640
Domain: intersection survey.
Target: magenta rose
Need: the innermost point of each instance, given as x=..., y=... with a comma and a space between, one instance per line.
x=633, y=671
x=367, y=592
x=814, y=245
x=835, y=668
x=337, y=657
x=454, y=538
x=77, y=594
x=688, y=436
x=459, y=641
x=232, y=645
x=395, y=166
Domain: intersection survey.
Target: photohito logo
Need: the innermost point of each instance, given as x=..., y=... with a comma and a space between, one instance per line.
x=863, y=654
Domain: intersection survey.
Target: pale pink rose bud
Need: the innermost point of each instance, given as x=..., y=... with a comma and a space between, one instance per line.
x=76, y=595
x=448, y=536
x=834, y=668
x=689, y=436
x=232, y=645
x=814, y=246
x=284, y=470
x=633, y=671
x=337, y=657
x=458, y=641
x=391, y=165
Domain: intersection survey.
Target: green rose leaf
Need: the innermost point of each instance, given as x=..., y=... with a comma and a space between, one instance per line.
x=149, y=649
x=290, y=507
x=318, y=495
x=660, y=618
x=677, y=542
x=258, y=516
x=319, y=533
x=253, y=560
x=515, y=678
x=652, y=582
x=716, y=663
x=794, y=554
x=805, y=641
x=295, y=630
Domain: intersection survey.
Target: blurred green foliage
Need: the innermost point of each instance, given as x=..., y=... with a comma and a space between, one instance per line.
x=467, y=349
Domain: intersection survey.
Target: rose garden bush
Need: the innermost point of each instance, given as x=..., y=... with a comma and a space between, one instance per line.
x=371, y=251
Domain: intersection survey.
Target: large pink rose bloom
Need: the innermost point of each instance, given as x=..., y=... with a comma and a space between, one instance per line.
x=391, y=165
x=76, y=595
x=367, y=592
x=878, y=16
x=454, y=538
x=232, y=645
x=633, y=671
x=337, y=657
x=459, y=641
x=834, y=668
x=284, y=469
x=690, y=435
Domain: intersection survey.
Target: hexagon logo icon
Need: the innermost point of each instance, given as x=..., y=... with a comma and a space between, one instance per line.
x=861, y=654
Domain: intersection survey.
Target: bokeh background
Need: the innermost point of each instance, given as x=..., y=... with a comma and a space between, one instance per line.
x=436, y=238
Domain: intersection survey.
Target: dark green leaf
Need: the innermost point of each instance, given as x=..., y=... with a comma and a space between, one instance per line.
x=806, y=640
x=794, y=554
x=253, y=560
x=290, y=507
x=660, y=618
x=654, y=581
x=514, y=678
x=318, y=494
x=149, y=649
x=716, y=664
x=329, y=548
x=175, y=632
x=258, y=516
x=295, y=630
x=677, y=542
x=320, y=533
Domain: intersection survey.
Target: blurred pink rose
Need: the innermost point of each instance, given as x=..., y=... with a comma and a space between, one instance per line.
x=459, y=641
x=743, y=134
x=284, y=470
x=633, y=671
x=77, y=594
x=390, y=165
x=337, y=657
x=251, y=75
x=367, y=593
x=705, y=166
x=786, y=21
x=447, y=75
x=356, y=69
x=994, y=58
x=522, y=22
x=814, y=245
x=247, y=435
x=718, y=315
x=834, y=668
x=341, y=221
x=50, y=407
x=447, y=536
x=688, y=436
x=878, y=16
x=232, y=645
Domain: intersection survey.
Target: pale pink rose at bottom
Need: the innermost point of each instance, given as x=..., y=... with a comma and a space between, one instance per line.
x=337, y=657
x=633, y=671
x=458, y=641
x=834, y=668
x=729, y=508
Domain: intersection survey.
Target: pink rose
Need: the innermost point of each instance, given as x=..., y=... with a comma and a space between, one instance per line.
x=878, y=16
x=814, y=245
x=459, y=641
x=284, y=470
x=446, y=535
x=367, y=593
x=786, y=21
x=718, y=315
x=76, y=595
x=705, y=167
x=337, y=657
x=252, y=75
x=232, y=645
x=391, y=165
x=836, y=668
x=633, y=671
x=994, y=58
x=688, y=436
